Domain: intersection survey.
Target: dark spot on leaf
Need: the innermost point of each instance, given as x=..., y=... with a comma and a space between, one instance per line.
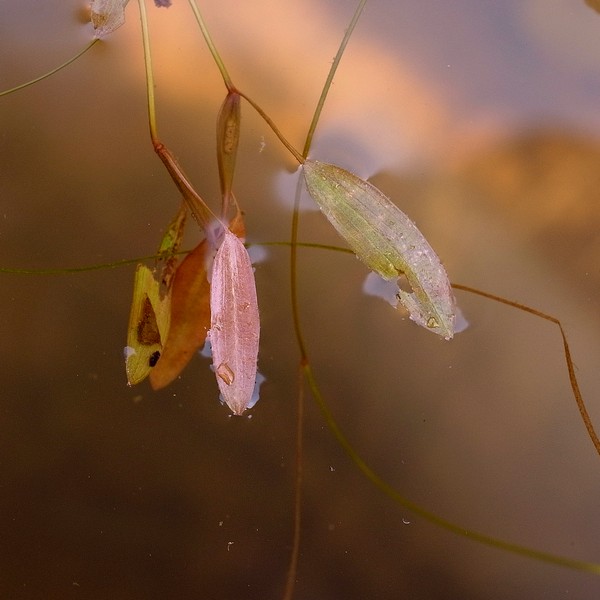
x=147, y=329
x=154, y=358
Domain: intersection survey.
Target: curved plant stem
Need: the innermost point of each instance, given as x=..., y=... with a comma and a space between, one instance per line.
x=388, y=490
x=296, y=211
x=330, y=76
x=212, y=48
x=274, y=127
x=49, y=73
x=587, y=421
x=304, y=361
x=73, y=270
x=230, y=85
x=294, y=275
x=201, y=212
x=149, y=74
x=297, y=519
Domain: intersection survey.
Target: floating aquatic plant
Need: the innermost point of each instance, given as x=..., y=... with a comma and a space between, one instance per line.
x=150, y=313
x=386, y=240
x=174, y=304
x=234, y=323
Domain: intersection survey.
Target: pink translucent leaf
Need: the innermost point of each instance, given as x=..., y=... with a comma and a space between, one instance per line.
x=190, y=311
x=235, y=326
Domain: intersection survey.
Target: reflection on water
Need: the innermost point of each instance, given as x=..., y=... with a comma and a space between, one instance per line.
x=472, y=122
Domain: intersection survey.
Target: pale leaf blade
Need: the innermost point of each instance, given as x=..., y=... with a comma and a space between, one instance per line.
x=190, y=310
x=148, y=326
x=235, y=326
x=386, y=240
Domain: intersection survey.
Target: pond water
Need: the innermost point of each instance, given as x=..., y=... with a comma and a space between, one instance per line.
x=481, y=121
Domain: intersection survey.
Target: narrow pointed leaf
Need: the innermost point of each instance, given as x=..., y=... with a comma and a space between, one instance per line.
x=228, y=137
x=235, y=327
x=169, y=246
x=107, y=16
x=190, y=311
x=151, y=306
x=199, y=209
x=386, y=240
x=148, y=325
x=190, y=316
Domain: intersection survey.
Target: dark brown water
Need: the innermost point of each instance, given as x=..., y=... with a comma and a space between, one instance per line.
x=481, y=121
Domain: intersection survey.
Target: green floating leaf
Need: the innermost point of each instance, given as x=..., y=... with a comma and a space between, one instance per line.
x=235, y=325
x=107, y=16
x=386, y=240
x=148, y=325
x=150, y=315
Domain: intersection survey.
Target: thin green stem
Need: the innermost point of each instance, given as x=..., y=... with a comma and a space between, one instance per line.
x=149, y=74
x=294, y=276
x=129, y=261
x=330, y=76
x=200, y=210
x=49, y=73
x=585, y=416
x=305, y=245
x=230, y=85
x=296, y=212
x=212, y=48
x=274, y=127
x=391, y=492
x=297, y=518
x=73, y=270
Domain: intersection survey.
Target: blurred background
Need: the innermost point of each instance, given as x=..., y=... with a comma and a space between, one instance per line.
x=481, y=120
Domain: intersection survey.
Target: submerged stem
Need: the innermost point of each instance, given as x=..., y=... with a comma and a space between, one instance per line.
x=392, y=493
x=294, y=274
x=200, y=211
x=293, y=566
